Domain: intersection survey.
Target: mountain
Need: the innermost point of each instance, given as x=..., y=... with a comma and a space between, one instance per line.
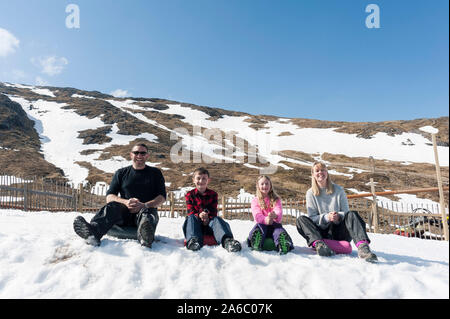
x=81, y=136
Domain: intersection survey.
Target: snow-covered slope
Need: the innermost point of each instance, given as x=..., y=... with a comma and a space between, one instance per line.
x=58, y=129
x=41, y=257
x=86, y=136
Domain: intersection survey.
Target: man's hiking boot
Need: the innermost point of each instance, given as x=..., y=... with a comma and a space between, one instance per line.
x=146, y=233
x=83, y=229
x=256, y=240
x=193, y=244
x=232, y=245
x=365, y=253
x=284, y=245
x=322, y=249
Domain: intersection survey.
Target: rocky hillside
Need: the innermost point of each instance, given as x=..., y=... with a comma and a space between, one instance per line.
x=86, y=135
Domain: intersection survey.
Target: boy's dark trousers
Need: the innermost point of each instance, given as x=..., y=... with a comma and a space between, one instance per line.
x=352, y=227
x=193, y=227
x=115, y=213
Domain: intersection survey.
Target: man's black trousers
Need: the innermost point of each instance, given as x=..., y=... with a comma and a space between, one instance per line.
x=115, y=213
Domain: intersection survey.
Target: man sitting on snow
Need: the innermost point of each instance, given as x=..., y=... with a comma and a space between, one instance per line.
x=142, y=189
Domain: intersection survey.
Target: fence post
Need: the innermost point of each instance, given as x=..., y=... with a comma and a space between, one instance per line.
x=224, y=211
x=372, y=163
x=172, y=205
x=374, y=207
x=441, y=191
x=74, y=198
x=80, y=197
x=25, y=196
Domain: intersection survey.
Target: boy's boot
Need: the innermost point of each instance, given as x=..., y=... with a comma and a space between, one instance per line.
x=232, y=245
x=193, y=244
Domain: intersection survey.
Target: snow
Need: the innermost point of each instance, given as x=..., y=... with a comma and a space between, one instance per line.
x=181, y=192
x=9, y=149
x=46, y=92
x=82, y=96
x=7, y=180
x=380, y=146
x=191, y=115
x=406, y=203
x=41, y=257
x=269, y=143
x=19, y=86
x=244, y=196
x=34, y=89
x=429, y=129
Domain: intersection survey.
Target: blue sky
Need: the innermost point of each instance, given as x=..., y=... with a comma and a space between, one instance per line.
x=291, y=58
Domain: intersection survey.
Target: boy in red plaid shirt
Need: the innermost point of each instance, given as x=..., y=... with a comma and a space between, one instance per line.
x=202, y=216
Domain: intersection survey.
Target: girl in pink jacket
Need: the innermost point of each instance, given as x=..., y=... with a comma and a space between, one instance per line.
x=267, y=213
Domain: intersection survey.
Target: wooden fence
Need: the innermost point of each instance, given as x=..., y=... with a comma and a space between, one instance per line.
x=411, y=220
x=422, y=220
x=37, y=194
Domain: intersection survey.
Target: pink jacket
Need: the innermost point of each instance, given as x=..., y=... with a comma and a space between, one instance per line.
x=259, y=214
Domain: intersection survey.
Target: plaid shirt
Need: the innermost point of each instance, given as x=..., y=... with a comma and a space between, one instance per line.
x=196, y=202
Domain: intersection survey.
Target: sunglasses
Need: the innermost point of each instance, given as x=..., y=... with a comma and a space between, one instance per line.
x=139, y=153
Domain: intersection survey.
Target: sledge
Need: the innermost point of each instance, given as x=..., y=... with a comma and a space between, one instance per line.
x=130, y=232
x=123, y=232
x=339, y=246
x=268, y=244
x=406, y=232
x=208, y=240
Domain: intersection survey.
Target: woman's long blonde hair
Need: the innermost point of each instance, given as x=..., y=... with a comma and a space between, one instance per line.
x=273, y=196
x=314, y=186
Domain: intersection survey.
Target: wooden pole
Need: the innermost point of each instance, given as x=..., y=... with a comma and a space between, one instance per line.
x=374, y=206
x=172, y=205
x=80, y=198
x=25, y=195
x=372, y=163
x=441, y=190
x=223, y=207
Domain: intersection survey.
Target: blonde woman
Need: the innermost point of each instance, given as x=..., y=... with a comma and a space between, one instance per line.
x=329, y=217
x=268, y=213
